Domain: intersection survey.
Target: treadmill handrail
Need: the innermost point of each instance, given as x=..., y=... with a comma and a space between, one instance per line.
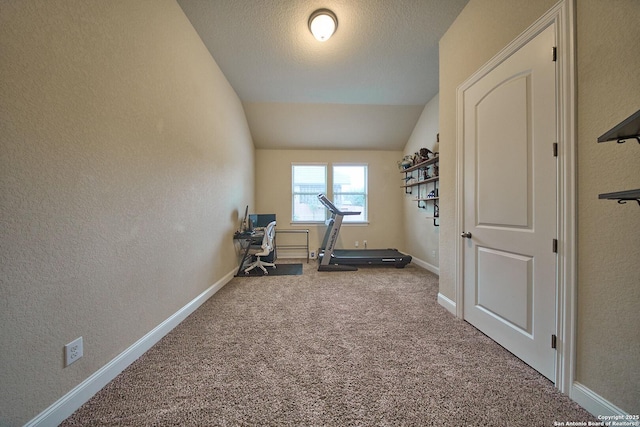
x=329, y=205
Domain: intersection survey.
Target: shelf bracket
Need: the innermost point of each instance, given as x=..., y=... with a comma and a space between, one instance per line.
x=623, y=140
x=624, y=201
x=436, y=214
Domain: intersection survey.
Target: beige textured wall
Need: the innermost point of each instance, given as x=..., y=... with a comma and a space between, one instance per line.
x=124, y=159
x=385, y=229
x=608, y=89
x=421, y=235
x=608, y=65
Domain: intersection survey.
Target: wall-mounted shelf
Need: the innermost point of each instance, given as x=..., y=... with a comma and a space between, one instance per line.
x=420, y=182
x=418, y=175
x=626, y=129
x=622, y=196
x=421, y=164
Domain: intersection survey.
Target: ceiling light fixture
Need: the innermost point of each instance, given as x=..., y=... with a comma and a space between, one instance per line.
x=322, y=24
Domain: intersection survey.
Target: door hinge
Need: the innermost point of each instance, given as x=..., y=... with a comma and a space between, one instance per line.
x=555, y=149
x=554, y=54
x=555, y=246
x=554, y=341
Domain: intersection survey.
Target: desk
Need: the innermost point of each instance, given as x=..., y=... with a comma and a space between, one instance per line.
x=295, y=246
x=246, y=240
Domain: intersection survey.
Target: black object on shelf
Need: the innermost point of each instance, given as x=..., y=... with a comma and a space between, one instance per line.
x=627, y=129
x=622, y=196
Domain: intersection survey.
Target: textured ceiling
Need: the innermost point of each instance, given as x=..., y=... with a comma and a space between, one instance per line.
x=363, y=88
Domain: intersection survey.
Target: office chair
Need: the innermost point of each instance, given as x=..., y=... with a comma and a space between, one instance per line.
x=266, y=248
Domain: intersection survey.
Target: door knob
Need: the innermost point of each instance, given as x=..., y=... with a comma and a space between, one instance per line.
x=465, y=234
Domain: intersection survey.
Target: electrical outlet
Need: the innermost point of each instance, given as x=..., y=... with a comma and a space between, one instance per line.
x=312, y=255
x=433, y=254
x=364, y=242
x=73, y=351
x=357, y=243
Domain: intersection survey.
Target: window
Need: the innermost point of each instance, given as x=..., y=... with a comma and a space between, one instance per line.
x=308, y=181
x=350, y=191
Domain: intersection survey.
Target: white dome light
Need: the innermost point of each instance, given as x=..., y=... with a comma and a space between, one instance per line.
x=323, y=23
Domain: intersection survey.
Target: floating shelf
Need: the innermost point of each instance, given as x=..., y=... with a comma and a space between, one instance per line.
x=627, y=129
x=421, y=164
x=424, y=181
x=622, y=196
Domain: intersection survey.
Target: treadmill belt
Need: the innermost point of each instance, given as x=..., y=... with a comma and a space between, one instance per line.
x=370, y=257
x=367, y=253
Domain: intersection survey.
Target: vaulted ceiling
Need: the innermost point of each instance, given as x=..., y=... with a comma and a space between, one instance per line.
x=364, y=88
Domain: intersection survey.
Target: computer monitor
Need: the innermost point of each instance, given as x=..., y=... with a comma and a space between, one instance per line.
x=245, y=224
x=261, y=220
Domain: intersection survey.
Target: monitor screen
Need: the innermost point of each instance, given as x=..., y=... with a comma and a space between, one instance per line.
x=244, y=225
x=261, y=220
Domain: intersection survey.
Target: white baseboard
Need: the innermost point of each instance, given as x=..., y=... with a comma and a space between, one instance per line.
x=70, y=402
x=447, y=303
x=432, y=268
x=593, y=402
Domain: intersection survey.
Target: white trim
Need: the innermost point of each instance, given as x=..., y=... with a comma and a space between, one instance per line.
x=563, y=15
x=594, y=403
x=420, y=263
x=447, y=303
x=70, y=402
x=459, y=203
x=567, y=203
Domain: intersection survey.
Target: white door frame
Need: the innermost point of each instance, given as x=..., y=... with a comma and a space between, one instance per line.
x=563, y=15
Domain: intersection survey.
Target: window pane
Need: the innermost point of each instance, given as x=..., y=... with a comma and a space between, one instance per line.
x=350, y=191
x=309, y=175
x=308, y=208
x=308, y=182
x=349, y=179
x=351, y=203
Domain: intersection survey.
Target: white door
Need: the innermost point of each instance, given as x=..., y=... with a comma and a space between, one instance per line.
x=510, y=213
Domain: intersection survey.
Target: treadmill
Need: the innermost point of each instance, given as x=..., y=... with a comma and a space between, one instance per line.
x=332, y=259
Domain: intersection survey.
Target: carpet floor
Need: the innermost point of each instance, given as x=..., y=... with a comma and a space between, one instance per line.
x=365, y=348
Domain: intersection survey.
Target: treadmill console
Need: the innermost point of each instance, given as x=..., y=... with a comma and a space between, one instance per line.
x=332, y=208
